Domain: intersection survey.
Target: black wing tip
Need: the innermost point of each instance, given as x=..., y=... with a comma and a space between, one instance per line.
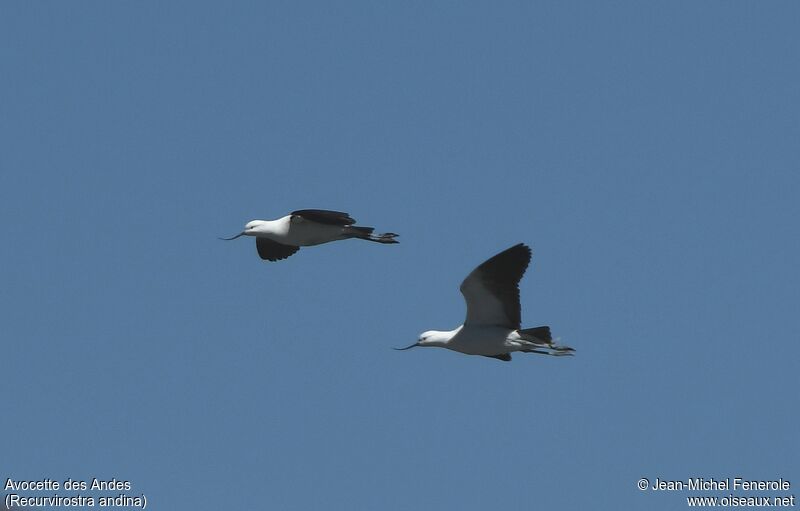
x=505, y=357
x=524, y=251
x=269, y=250
x=520, y=247
x=519, y=252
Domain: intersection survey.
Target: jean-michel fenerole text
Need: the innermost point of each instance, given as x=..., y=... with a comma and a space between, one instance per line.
x=726, y=484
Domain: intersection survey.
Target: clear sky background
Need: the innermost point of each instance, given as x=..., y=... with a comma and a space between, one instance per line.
x=647, y=151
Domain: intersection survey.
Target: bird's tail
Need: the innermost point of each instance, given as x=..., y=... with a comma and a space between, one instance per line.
x=538, y=340
x=365, y=233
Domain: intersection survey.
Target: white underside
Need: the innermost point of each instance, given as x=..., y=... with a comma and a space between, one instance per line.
x=485, y=340
x=300, y=232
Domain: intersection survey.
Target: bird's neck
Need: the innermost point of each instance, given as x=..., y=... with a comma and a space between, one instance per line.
x=442, y=338
x=271, y=227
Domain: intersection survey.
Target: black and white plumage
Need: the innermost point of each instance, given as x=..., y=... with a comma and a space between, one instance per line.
x=492, y=326
x=281, y=238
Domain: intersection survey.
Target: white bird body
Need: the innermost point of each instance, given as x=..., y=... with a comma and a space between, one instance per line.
x=492, y=326
x=487, y=341
x=279, y=239
x=477, y=340
x=296, y=231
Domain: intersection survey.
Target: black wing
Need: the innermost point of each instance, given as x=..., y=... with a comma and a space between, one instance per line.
x=505, y=357
x=324, y=216
x=492, y=289
x=274, y=251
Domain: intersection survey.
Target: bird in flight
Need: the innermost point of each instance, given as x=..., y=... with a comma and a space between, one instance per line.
x=281, y=238
x=492, y=327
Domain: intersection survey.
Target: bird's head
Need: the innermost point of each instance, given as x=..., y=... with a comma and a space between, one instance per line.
x=429, y=338
x=251, y=228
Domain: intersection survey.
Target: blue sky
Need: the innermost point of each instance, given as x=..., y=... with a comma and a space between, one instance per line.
x=647, y=152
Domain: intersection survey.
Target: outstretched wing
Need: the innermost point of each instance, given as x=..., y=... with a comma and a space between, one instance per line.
x=492, y=289
x=274, y=251
x=323, y=216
